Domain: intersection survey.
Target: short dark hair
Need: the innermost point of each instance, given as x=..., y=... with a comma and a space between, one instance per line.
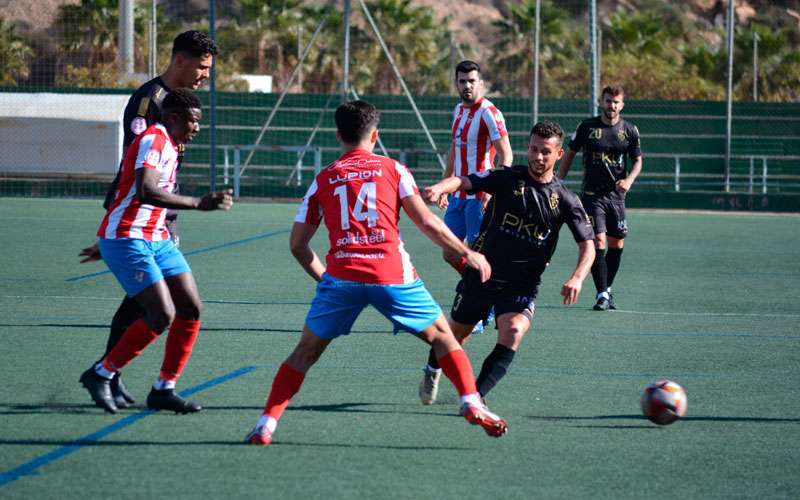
x=354, y=119
x=194, y=43
x=547, y=129
x=180, y=100
x=613, y=90
x=466, y=67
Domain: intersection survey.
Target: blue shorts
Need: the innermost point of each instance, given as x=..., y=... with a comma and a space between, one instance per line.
x=338, y=303
x=464, y=217
x=138, y=264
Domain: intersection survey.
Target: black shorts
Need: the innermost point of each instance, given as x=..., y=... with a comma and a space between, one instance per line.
x=607, y=214
x=474, y=300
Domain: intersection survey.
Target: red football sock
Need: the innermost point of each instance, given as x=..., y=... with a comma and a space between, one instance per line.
x=456, y=366
x=131, y=344
x=286, y=384
x=182, y=334
x=460, y=265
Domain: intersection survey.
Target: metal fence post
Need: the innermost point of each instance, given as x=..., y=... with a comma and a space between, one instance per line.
x=237, y=171
x=764, y=174
x=677, y=174
x=750, y=177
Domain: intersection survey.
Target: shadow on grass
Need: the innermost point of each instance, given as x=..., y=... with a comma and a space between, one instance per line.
x=640, y=418
x=94, y=443
x=205, y=329
x=91, y=409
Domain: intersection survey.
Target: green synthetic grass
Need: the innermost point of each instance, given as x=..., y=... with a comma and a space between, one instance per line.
x=708, y=300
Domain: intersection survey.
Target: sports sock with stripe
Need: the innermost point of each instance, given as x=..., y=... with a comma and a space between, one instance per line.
x=494, y=368
x=286, y=384
x=180, y=340
x=135, y=339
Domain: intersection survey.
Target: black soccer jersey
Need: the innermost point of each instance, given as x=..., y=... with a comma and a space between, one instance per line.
x=605, y=149
x=143, y=109
x=520, y=230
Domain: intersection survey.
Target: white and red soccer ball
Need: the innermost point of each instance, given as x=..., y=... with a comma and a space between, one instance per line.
x=663, y=402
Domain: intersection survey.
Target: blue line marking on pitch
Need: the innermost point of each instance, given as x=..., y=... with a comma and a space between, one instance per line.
x=193, y=252
x=31, y=467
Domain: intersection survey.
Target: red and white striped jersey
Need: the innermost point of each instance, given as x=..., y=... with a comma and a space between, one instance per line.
x=358, y=197
x=127, y=216
x=475, y=128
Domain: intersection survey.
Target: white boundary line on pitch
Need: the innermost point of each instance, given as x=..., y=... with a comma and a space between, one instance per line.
x=755, y=315
x=238, y=302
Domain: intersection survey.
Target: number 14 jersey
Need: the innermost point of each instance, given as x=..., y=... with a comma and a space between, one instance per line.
x=358, y=197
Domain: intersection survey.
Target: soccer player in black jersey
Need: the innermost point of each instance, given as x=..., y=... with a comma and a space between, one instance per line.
x=192, y=55
x=518, y=236
x=607, y=142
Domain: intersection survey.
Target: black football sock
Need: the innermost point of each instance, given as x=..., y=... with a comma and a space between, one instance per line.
x=494, y=368
x=613, y=258
x=599, y=271
x=128, y=312
x=432, y=361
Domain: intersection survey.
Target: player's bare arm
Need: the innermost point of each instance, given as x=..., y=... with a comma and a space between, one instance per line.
x=448, y=172
x=433, y=194
x=149, y=192
x=299, y=244
x=624, y=185
x=505, y=157
x=566, y=162
x=572, y=287
x=436, y=230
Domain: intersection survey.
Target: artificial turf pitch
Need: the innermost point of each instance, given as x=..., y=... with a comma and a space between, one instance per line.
x=708, y=300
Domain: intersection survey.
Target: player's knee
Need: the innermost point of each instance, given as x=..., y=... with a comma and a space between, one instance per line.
x=304, y=356
x=513, y=332
x=192, y=310
x=159, y=321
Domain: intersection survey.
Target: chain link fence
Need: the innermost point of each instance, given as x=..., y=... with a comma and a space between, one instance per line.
x=67, y=68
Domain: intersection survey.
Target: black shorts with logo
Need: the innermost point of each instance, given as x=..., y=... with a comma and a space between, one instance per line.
x=474, y=299
x=607, y=214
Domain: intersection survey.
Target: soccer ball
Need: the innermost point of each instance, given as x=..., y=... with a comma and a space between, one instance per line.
x=663, y=402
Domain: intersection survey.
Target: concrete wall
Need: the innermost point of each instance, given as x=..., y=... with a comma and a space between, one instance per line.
x=60, y=133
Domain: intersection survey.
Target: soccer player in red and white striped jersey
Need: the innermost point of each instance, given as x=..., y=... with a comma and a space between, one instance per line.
x=137, y=248
x=479, y=138
x=359, y=198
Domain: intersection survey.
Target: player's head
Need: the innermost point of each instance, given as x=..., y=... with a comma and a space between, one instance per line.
x=357, y=123
x=181, y=113
x=544, y=147
x=469, y=81
x=192, y=55
x=612, y=100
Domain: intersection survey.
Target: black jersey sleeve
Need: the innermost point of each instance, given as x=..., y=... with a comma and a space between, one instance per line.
x=579, y=137
x=634, y=143
x=487, y=181
x=576, y=218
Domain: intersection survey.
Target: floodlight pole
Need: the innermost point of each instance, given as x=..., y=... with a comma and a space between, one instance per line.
x=126, y=38
x=535, y=96
x=346, y=62
x=729, y=100
x=152, y=70
x=212, y=97
x=593, y=77
x=755, y=66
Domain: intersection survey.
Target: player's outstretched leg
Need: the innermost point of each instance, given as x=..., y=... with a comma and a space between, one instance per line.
x=429, y=385
x=286, y=384
x=127, y=312
x=613, y=258
x=182, y=335
x=456, y=367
